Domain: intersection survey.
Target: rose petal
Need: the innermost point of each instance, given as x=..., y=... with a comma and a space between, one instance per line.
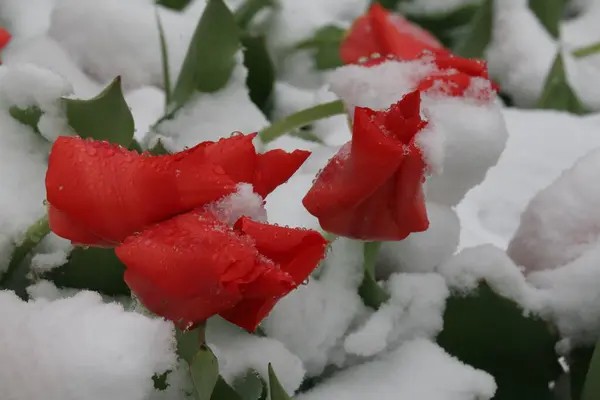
x=275, y=167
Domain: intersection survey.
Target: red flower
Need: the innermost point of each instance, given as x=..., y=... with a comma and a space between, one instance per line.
x=372, y=188
x=383, y=33
x=100, y=193
x=194, y=266
x=5, y=37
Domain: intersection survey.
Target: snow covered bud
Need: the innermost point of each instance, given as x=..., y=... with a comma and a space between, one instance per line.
x=372, y=189
x=386, y=34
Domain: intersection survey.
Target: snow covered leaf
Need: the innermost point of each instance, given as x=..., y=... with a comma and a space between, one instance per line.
x=159, y=149
x=248, y=9
x=251, y=386
x=478, y=34
x=104, y=117
x=261, y=71
x=29, y=116
x=492, y=333
x=558, y=94
x=591, y=388
x=204, y=370
x=276, y=391
x=326, y=46
x=549, y=12
x=91, y=268
x=210, y=57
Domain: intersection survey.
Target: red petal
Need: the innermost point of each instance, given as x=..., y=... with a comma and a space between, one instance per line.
x=275, y=167
x=387, y=34
x=236, y=155
x=112, y=192
x=372, y=192
x=297, y=252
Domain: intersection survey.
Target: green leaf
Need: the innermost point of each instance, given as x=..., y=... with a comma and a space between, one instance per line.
x=251, y=386
x=174, y=4
x=160, y=381
x=210, y=58
x=204, y=370
x=557, y=93
x=249, y=8
x=105, y=117
x=478, y=33
x=29, y=116
x=276, y=391
x=223, y=391
x=326, y=46
x=164, y=59
x=490, y=332
x=91, y=268
x=579, y=363
x=187, y=343
x=261, y=71
x=586, y=51
x=371, y=293
x=591, y=388
x=135, y=145
x=550, y=13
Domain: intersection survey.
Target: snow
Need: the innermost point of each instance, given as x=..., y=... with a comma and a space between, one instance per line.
x=541, y=144
x=243, y=202
x=80, y=348
x=284, y=204
x=238, y=351
x=415, y=310
x=328, y=305
x=422, y=251
x=418, y=369
x=560, y=223
x=130, y=48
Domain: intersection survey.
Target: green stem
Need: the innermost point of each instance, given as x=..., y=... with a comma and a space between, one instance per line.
x=33, y=236
x=372, y=294
x=587, y=50
x=302, y=118
x=591, y=387
x=247, y=11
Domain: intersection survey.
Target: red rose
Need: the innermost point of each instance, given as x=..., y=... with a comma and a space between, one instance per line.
x=100, y=193
x=372, y=188
x=383, y=33
x=194, y=266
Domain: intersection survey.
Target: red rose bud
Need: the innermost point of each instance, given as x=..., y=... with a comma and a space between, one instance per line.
x=100, y=193
x=381, y=32
x=194, y=266
x=372, y=188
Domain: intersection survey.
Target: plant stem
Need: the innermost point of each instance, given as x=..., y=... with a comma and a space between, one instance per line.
x=372, y=294
x=587, y=50
x=302, y=118
x=33, y=236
